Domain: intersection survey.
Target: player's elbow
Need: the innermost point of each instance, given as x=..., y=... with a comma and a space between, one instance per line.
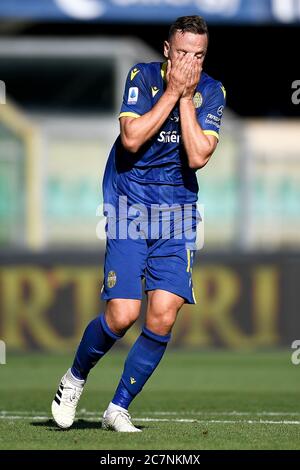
x=198, y=157
x=198, y=161
x=130, y=144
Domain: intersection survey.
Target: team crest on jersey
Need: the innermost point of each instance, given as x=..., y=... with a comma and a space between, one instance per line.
x=198, y=100
x=133, y=94
x=111, y=279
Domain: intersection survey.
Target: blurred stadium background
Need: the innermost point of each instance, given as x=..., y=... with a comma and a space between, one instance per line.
x=62, y=70
x=63, y=63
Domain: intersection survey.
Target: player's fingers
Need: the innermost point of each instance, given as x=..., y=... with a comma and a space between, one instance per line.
x=198, y=64
x=198, y=72
x=188, y=59
x=193, y=66
x=180, y=62
x=192, y=76
x=176, y=64
x=188, y=73
x=187, y=63
x=189, y=78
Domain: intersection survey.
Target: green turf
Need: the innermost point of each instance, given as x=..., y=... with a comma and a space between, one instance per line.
x=210, y=388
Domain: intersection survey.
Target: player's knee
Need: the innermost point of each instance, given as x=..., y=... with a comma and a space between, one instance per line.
x=121, y=314
x=162, y=311
x=162, y=321
x=120, y=323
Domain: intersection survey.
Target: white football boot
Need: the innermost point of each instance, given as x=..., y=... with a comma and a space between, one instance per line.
x=66, y=400
x=118, y=420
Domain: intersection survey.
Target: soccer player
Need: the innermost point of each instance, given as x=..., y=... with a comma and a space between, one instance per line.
x=169, y=128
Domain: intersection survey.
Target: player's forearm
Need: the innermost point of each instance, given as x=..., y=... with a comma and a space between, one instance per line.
x=135, y=132
x=197, y=145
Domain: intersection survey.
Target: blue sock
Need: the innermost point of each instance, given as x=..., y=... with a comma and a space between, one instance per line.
x=142, y=360
x=96, y=341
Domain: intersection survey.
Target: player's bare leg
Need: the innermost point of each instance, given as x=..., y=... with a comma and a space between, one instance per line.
x=98, y=338
x=120, y=314
x=163, y=307
x=143, y=358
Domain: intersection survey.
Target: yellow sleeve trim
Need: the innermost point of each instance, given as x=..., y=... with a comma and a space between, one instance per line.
x=129, y=114
x=211, y=133
x=224, y=91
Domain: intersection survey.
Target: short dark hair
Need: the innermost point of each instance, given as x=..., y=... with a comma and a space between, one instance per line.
x=189, y=24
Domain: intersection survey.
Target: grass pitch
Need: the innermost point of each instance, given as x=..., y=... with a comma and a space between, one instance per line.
x=198, y=400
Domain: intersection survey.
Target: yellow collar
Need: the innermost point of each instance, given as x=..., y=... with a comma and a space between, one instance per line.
x=163, y=70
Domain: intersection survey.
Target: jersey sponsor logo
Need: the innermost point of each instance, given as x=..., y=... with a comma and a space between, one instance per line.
x=198, y=100
x=133, y=94
x=213, y=121
x=213, y=117
x=220, y=111
x=154, y=90
x=134, y=72
x=111, y=279
x=169, y=137
x=174, y=116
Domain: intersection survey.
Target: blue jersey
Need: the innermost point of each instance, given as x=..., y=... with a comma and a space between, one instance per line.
x=159, y=173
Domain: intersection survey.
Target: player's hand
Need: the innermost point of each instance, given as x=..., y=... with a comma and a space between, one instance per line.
x=177, y=73
x=192, y=80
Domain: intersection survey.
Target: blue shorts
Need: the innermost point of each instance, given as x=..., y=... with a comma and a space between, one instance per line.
x=164, y=264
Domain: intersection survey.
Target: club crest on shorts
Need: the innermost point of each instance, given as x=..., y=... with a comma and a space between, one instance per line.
x=111, y=279
x=197, y=99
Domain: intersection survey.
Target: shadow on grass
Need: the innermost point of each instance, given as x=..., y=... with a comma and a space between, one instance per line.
x=78, y=424
x=50, y=425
